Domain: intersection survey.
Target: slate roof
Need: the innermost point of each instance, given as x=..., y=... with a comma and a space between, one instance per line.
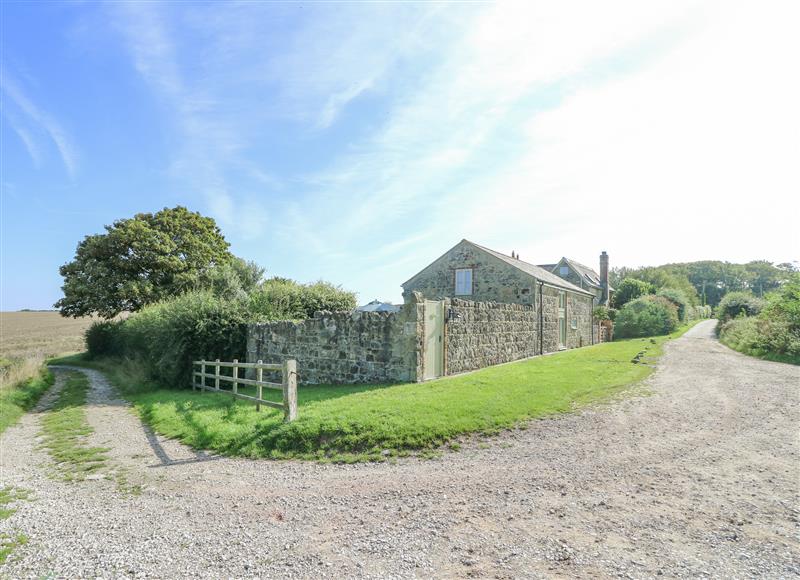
x=589, y=275
x=536, y=271
x=378, y=306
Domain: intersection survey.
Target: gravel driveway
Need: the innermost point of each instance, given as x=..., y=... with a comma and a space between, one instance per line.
x=699, y=479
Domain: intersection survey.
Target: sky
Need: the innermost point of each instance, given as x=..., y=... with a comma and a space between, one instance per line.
x=356, y=142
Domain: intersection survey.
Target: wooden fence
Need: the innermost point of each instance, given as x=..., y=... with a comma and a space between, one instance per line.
x=288, y=385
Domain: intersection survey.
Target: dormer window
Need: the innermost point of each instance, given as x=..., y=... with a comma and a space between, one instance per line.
x=464, y=282
x=564, y=270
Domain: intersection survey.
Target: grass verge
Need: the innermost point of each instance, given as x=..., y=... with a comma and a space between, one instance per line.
x=17, y=399
x=64, y=429
x=371, y=422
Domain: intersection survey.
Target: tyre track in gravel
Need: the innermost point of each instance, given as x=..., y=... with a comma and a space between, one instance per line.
x=700, y=478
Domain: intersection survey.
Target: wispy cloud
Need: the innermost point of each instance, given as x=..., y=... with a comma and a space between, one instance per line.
x=42, y=121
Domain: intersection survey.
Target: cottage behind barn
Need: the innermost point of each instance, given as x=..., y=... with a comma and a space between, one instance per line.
x=472, y=307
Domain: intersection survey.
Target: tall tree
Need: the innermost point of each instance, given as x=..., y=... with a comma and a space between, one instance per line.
x=141, y=260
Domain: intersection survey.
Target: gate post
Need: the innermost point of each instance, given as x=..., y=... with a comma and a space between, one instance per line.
x=289, y=390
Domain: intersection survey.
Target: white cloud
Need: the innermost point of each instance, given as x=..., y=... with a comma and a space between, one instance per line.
x=42, y=121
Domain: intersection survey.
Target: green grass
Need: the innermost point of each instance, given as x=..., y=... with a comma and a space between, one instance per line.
x=371, y=422
x=9, y=495
x=16, y=400
x=9, y=543
x=64, y=431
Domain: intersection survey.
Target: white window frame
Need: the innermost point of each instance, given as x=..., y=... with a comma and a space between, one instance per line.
x=463, y=282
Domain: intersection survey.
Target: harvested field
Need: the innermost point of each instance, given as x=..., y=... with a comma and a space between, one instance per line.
x=28, y=338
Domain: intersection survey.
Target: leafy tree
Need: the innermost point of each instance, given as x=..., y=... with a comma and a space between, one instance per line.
x=141, y=260
x=630, y=289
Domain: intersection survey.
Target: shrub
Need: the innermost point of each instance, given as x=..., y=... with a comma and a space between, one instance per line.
x=601, y=313
x=646, y=316
x=167, y=336
x=679, y=299
x=629, y=289
x=103, y=338
x=736, y=304
x=279, y=298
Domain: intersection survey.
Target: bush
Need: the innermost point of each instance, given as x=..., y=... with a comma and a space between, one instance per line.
x=167, y=336
x=601, y=313
x=629, y=289
x=279, y=299
x=646, y=316
x=103, y=338
x=736, y=304
x=679, y=299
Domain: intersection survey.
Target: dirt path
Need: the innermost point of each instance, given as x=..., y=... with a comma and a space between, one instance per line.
x=700, y=479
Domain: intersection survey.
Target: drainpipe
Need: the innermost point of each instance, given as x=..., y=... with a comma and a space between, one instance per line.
x=591, y=317
x=541, y=318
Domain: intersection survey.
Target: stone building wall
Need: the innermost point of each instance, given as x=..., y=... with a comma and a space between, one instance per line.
x=492, y=279
x=578, y=315
x=486, y=333
x=345, y=347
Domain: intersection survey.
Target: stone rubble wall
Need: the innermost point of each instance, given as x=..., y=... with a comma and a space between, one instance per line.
x=345, y=347
x=482, y=334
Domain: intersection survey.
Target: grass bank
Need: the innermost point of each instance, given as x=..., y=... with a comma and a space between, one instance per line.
x=369, y=422
x=16, y=399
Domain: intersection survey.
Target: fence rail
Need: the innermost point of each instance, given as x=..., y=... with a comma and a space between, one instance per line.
x=288, y=384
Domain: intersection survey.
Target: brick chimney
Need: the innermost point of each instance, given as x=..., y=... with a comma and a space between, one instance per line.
x=604, y=277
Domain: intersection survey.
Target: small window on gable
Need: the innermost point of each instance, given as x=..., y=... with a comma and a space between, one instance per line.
x=564, y=270
x=464, y=282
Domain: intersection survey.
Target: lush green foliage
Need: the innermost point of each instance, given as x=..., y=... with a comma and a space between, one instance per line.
x=679, y=299
x=707, y=282
x=350, y=423
x=775, y=333
x=166, y=337
x=736, y=304
x=601, y=313
x=646, y=316
x=141, y=260
x=233, y=280
x=630, y=289
x=279, y=299
x=17, y=399
x=103, y=338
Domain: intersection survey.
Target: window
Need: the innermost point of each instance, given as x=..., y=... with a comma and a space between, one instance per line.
x=564, y=270
x=464, y=282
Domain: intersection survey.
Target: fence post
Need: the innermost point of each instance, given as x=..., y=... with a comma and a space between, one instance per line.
x=235, y=375
x=259, y=377
x=216, y=376
x=289, y=390
x=202, y=375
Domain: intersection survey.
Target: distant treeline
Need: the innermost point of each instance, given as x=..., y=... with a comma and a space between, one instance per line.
x=708, y=281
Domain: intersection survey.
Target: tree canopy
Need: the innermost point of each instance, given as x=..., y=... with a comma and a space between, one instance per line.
x=141, y=260
x=706, y=282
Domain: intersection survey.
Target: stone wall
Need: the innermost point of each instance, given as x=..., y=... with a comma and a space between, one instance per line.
x=345, y=347
x=482, y=334
x=578, y=315
x=492, y=280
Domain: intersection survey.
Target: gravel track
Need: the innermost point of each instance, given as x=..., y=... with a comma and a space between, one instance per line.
x=699, y=479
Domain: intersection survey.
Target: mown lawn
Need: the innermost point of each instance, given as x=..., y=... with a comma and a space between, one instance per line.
x=368, y=422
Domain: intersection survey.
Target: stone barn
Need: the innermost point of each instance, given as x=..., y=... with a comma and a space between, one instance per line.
x=472, y=307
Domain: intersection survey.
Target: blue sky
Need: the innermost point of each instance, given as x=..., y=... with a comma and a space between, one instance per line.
x=356, y=142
